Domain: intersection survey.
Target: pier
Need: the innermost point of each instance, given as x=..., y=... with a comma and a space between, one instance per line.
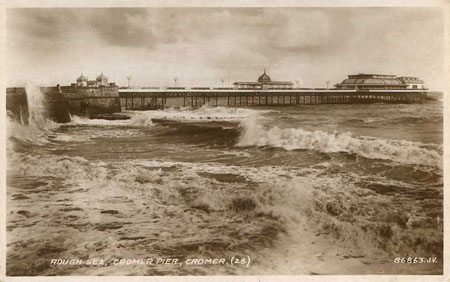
x=356, y=89
x=146, y=99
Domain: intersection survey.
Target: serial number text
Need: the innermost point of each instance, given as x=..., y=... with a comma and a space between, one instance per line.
x=415, y=260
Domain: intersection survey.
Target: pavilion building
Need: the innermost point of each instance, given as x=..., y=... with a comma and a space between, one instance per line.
x=380, y=82
x=101, y=81
x=263, y=83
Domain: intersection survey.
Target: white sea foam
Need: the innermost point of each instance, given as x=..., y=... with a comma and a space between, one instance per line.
x=77, y=120
x=254, y=134
x=144, y=118
x=36, y=106
x=204, y=113
x=38, y=127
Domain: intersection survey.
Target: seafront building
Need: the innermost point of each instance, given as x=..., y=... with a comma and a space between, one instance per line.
x=101, y=81
x=89, y=97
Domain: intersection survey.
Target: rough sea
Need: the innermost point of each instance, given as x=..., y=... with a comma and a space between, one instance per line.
x=321, y=189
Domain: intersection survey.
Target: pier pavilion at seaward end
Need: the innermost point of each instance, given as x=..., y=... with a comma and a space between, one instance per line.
x=380, y=82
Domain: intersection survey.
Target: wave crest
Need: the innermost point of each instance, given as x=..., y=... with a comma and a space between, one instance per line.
x=254, y=134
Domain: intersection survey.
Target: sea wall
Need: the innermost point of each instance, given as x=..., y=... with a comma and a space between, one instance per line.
x=91, y=101
x=55, y=105
x=17, y=104
x=61, y=102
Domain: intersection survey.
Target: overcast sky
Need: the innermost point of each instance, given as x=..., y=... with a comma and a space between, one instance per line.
x=200, y=46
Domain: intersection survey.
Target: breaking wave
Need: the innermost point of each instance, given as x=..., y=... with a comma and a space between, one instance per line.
x=254, y=134
x=38, y=128
x=202, y=114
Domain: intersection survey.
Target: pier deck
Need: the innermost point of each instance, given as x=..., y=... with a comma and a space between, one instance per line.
x=135, y=99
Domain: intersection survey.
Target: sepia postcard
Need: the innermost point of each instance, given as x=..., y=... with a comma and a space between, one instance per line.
x=240, y=141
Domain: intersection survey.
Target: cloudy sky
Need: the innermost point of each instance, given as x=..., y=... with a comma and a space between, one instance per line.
x=200, y=46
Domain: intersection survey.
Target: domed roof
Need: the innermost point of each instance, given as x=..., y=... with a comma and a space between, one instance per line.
x=81, y=78
x=101, y=77
x=264, y=78
x=372, y=81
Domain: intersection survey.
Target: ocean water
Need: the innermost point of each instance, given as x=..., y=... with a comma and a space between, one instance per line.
x=323, y=189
